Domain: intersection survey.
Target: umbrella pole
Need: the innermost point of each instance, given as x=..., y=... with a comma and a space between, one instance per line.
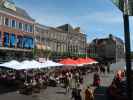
x=26, y=76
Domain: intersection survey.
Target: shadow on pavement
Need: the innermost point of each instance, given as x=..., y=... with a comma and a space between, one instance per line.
x=100, y=93
x=61, y=92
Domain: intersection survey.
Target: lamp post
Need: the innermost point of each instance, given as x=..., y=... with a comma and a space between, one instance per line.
x=126, y=7
x=128, y=55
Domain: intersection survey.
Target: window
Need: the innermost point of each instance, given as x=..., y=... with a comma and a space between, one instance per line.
x=20, y=25
x=25, y=27
x=20, y=42
x=28, y=28
x=6, y=21
x=12, y=40
x=13, y=23
x=0, y=39
x=6, y=39
x=31, y=28
x=16, y=26
x=0, y=20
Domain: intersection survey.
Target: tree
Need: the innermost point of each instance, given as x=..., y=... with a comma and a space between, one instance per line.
x=47, y=53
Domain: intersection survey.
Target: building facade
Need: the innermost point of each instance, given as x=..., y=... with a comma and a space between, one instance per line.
x=16, y=31
x=91, y=50
x=19, y=34
x=60, y=40
x=111, y=48
x=76, y=40
x=50, y=38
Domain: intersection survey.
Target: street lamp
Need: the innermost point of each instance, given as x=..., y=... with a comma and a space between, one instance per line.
x=126, y=6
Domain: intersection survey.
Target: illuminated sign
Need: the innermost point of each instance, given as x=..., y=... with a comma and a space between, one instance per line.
x=10, y=5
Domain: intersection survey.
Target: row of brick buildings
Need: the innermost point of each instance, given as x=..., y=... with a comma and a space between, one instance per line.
x=20, y=33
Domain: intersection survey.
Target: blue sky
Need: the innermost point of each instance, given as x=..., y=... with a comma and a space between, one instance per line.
x=97, y=18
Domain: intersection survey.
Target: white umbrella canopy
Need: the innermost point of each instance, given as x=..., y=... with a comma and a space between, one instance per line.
x=13, y=64
x=24, y=65
x=29, y=64
x=35, y=63
x=49, y=64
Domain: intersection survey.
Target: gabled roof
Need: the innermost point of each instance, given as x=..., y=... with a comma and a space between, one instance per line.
x=19, y=12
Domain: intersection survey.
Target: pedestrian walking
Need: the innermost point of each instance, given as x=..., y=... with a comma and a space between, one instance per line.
x=89, y=94
x=76, y=93
x=67, y=84
x=96, y=79
x=108, y=68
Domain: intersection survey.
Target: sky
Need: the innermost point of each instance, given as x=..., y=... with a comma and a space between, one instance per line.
x=96, y=18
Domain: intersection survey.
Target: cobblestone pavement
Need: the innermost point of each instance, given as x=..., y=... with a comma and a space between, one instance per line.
x=57, y=93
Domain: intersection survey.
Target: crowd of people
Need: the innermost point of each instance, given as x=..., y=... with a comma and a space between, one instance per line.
x=30, y=81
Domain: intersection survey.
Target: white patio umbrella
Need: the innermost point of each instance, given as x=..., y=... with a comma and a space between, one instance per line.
x=35, y=63
x=13, y=64
x=49, y=64
x=29, y=64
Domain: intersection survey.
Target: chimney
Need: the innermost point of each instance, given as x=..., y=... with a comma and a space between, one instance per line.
x=110, y=36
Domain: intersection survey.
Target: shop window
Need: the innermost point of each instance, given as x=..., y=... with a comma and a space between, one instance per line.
x=19, y=41
x=25, y=44
x=31, y=43
x=6, y=39
x=12, y=40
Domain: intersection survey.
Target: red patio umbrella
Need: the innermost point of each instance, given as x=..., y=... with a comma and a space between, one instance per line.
x=91, y=60
x=82, y=61
x=68, y=61
x=68, y=64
